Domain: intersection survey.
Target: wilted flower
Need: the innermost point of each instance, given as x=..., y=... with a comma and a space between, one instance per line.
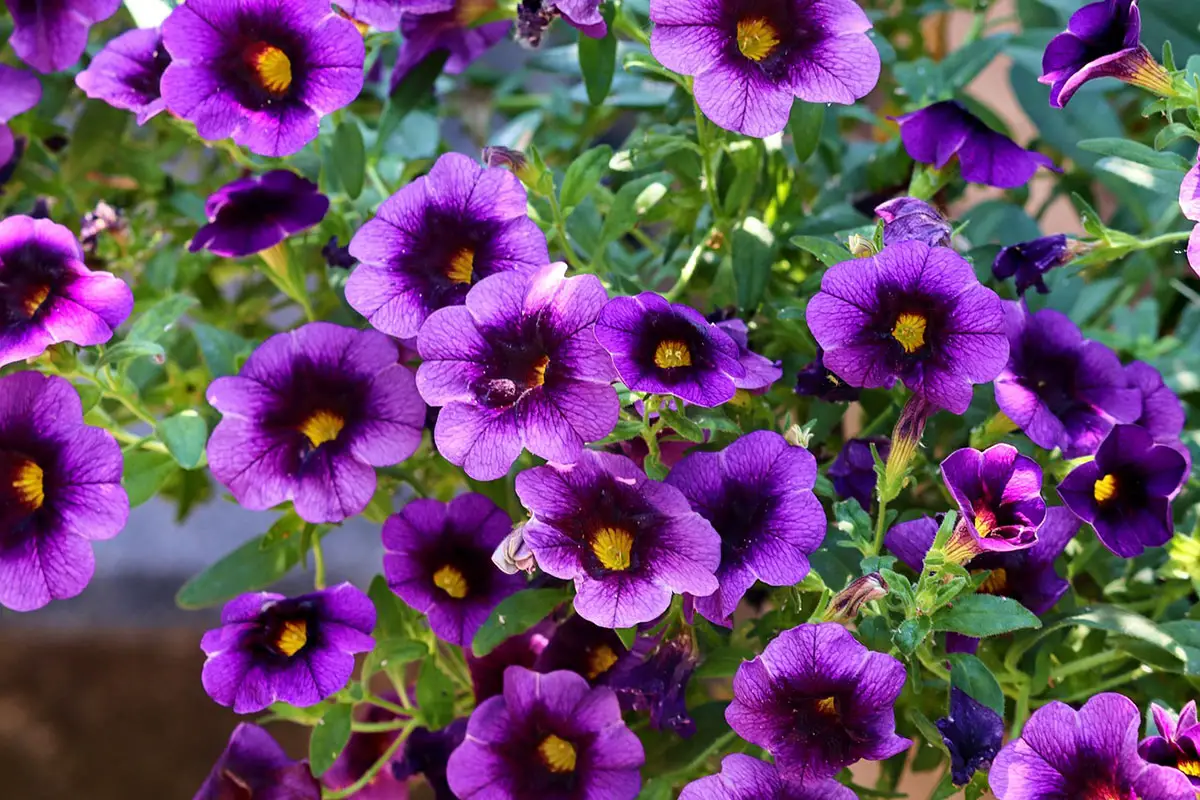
x=853, y=471
x=999, y=496
x=1189, y=203
x=51, y=36
x=127, y=73
x=972, y=733
x=252, y=214
x=254, y=765
x=512, y=160
x=746, y=778
x=815, y=380
x=907, y=219
x=19, y=92
x=512, y=555
x=1176, y=744
x=1031, y=260
x=450, y=28
x=846, y=604
x=654, y=678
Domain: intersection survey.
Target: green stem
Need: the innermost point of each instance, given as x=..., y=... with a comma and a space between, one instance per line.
x=387, y=705
x=318, y=563
x=706, y=157
x=1166, y=238
x=380, y=727
x=1085, y=664
x=1112, y=683
x=560, y=228
x=374, y=769
x=880, y=527
x=1021, y=712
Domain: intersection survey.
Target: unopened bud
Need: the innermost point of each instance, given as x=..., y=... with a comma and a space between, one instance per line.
x=861, y=246
x=513, y=555
x=848, y=602
x=906, y=438
x=513, y=160
x=798, y=435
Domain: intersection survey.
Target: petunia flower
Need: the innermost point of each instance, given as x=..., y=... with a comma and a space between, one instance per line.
x=744, y=777
x=451, y=29
x=972, y=733
x=907, y=219
x=298, y=650
x=60, y=490
x=439, y=561
x=579, y=646
x=757, y=493
x=127, y=73
x=1030, y=261
x=436, y=238
x=47, y=293
x=999, y=497
x=19, y=92
x=1125, y=493
x=654, y=678
x=50, y=36
x=309, y=416
x=1089, y=753
x=628, y=542
x=853, y=470
x=547, y=736
x=523, y=650
x=818, y=701
x=936, y=133
x=363, y=750
x=427, y=753
x=761, y=371
x=912, y=312
x=385, y=15
x=1163, y=415
x=534, y=16
x=752, y=58
x=261, y=71
x=252, y=214
x=1189, y=204
x=1176, y=744
x=255, y=765
x=1060, y=389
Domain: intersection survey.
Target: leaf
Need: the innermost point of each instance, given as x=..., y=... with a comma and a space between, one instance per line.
x=154, y=323
x=972, y=676
x=435, y=696
x=348, y=157
x=627, y=636
x=753, y=255
x=127, y=351
x=185, y=435
x=392, y=654
x=516, y=614
x=145, y=473
x=682, y=425
x=1137, y=153
x=255, y=565
x=583, y=176
x=982, y=615
x=629, y=204
x=393, y=619
x=416, y=86
x=626, y=429
x=911, y=633
x=1105, y=618
x=221, y=349
x=827, y=252
x=964, y=65
x=598, y=59
x=329, y=738
x=805, y=126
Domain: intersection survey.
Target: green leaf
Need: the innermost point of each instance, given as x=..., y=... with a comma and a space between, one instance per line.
x=682, y=425
x=972, y=676
x=329, y=738
x=416, y=86
x=583, y=176
x=805, y=126
x=435, y=696
x=929, y=731
x=185, y=435
x=911, y=633
x=827, y=252
x=964, y=65
x=156, y=321
x=627, y=636
x=255, y=565
x=516, y=614
x=348, y=157
x=626, y=429
x=393, y=619
x=982, y=615
x=222, y=350
x=598, y=59
x=145, y=473
x=393, y=654
x=654, y=467
x=1106, y=618
x=753, y=255
x=631, y=201
x=96, y=130
x=127, y=351
x=1136, y=152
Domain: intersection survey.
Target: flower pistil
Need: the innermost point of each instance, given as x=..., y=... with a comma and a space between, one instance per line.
x=1105, y=489
x=557, y=754
x=462, y=266
x=451, y=581
x=31, y=491
x=292, y=637
x=271, y=66
x=322, y=426
x=672, y=353
x=612, y=546
x=757, y=38
x=909, y=331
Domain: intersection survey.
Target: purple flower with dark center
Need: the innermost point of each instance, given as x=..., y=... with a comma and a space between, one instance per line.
x=1102, y=40
x=518, y=367
x=1125, y=493
x=818, y=701
x=127, y=72
x=363, y=750
x=437, y=237
x=525, y=650
x=1162, y=412
x=853, y=471
x=757, y=493
x=936, y=133
x=654, y=678
x=972, y=733
x=1189, y=203
x=815, y=380
x=753, y=58
x=746, y=778
x=60, y=489
x=262, y=72
x=299, y=650
x=255, y=766
x=19, y=92
x=579, y=646
x=907, y=219
x=310, y=415
x=999, y=496
x=47, y=293
x=1031, y=260
x=761, y=371
x=1177, y=743
x=252, y=214
x=628, y=542
x=51, y=35
x=451, y=29
x=1089, y=754
x=439, y=561
x=428, y=753
x=547, y=736
x=1062, y=390
x=912, y=312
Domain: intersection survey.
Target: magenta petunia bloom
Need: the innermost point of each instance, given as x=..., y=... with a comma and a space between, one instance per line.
x=818, y=701
x=127, y=73
x=361, y=753
x=19, y=92
x=1162, y=412
x=451, y=28
x=47, y=293
x=439, y=561
x=761, y=371
x=51, y=35
x=60, y=489
x=972, y=733
x=299, y=650
x=999, y=496
x=1189, y=203
x=261, y=71
x=436, y=238
x=936, y=133
x=743, y=777
x=628, y=542
x=753, y=58
x=548, y=736
x=255, y=765
x=518, y=367
x=912, y=312
x=1089, y=753
x=1030, y=261
x=757, y=493
x=907, y=219
x=252, y=214
x=853, y=470
x=310, y=415
x=1177, y=742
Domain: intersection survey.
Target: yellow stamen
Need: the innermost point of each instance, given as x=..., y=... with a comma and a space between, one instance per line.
x=757, y=38
x=600, y=660
x=672, y=353
x=909, y=331
x=1191, y=767
x=34, y=300
x=1105, y=489
x=995, y=583
x=451, y=581
x=273, y=67
x=827, y=706
x=462, y=266
x=292, y=637
x=322, y=426
x=30, y=486
x=612, y=546
x=537, y=375
x=557, y=754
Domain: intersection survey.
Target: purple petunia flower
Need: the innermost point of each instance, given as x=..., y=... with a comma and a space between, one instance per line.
x=815, y=380
x=628, y=542
x=362, y=751
x=1177, y=742
x=579, y=646
x=427, y=753
x=1162, y=412
x=297, y=650
x=1030, y=261
x=47, y=293
x=853, y=471
x=127, y=73
x=1126, y=492
x=310, y=415
x=761, y=371
x=51, y=36
x=439, y=561
x=757, y=493
x=936, y=133
x=534, y=16
x=972, y=733
x=518, y=367
x=525, y=650
x=1189, y=203
x=261, y=71
x=60, y=489
x=912, y=312
x=450, y=28
x=654, y=678
x=436, y=238
x=669, y=348
x=752, y=58
x=547, y=736
x=19, y=92
x=1089, y=753
x=252, y=214
x=999, y=496
x=1062, y=390
x=743, y=777
x=907, y=219
x=254, y=765
x=385, y=15
x=818, y=701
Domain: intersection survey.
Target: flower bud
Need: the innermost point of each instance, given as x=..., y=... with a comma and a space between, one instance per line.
x=514, y=160
x=860, y=246
x=513, y=554
x=906, y=438
x=847, y=603
x=798, y=435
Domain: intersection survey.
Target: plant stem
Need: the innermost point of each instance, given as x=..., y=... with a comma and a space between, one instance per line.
x=560, y=227
x=1085, y=664
x=318, y=563
x=1119, y=680
x=387, y=705
x=374, y=769
x=880, y=527
x=706, y=158
x=1166, y=238
x=380, y=727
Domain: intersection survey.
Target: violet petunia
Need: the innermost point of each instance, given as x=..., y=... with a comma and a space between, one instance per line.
x=908, y=219
x=363, y=750
x=255, y=213
x=761, y=371
x=255, y=765
x=1163, y=415
x=518, y=367
x=818, y=701
x=453, y=30
x=535, y=16
x=912, y=312
x=627, y=541
x=654, y=678
x=1126, y=492
x=51, y=35
x=1189, y=204
x=48, y=294
x=1089, y=753
x=743, y=777
x=815, y=380
x=580, y=646
x=753, y=58
x=853, y=470
x=972, y=733
x=299, y=650
x=936, y=133
x=1060, y=389
x=547, y=736
x=60, y=490
x=1177, y=744
x=523, y=650
x=427, y=753
x=19, y=92
x=758, y=495
x=999, y=497
x=439, y=561
x=385, y=15
x=261, y=71
x=127, y=73
x=309, y=416
x=1030, y=261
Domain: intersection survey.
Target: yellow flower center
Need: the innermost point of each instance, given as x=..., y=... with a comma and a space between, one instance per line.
x=451, y=581
x=827, y=706
x=557, y=754
x=1105, y=489
x=600, y=660
x=537, y=376
x=292, y=637
x=612, y=546
x=1190, y=767
x=909, y=331
x=757, y=38
x=995, y=583
x=34, y=300
x=30, y=486
x=273, y=68
x=462, y=266
x=672, y=353
x=322, y=426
